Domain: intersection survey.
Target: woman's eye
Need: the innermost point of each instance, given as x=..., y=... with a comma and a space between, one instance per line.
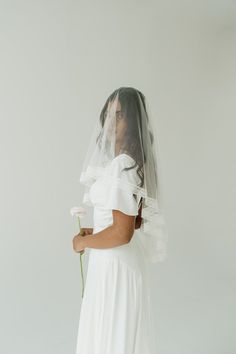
x=119, y=116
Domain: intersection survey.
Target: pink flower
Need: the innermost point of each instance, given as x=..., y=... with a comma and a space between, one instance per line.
x=78, y=211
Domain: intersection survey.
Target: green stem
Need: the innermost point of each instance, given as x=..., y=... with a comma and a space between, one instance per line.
x=81, y=263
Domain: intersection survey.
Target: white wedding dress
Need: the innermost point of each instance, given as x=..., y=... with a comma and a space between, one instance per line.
x=115, y=314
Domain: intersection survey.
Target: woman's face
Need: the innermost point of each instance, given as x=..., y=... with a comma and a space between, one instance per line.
x=121, y=124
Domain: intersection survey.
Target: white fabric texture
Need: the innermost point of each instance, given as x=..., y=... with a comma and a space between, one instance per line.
x=115, y=315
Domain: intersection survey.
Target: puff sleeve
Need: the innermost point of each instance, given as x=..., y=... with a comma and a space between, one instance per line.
x=121, y=186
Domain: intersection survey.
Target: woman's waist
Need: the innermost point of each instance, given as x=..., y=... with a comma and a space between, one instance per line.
x=128, y=253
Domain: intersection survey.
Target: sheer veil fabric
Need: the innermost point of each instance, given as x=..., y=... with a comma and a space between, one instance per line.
x=124, y=128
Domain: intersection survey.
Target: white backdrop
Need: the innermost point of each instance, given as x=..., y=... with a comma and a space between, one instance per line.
x=59, y=62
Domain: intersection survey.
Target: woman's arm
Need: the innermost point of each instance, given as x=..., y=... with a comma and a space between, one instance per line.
x=117, y=234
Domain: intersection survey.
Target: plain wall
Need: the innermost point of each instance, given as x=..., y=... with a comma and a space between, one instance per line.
x=59, y=62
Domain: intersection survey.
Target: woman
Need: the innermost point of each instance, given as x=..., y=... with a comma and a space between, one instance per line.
x=120, y=178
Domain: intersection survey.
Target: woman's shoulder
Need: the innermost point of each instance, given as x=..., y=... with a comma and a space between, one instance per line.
x=119, y=165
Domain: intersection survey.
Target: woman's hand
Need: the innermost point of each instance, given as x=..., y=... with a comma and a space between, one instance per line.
x=86, y=231
x=78, y=241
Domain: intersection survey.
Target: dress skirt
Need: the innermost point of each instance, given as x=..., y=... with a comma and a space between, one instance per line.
x=115, y=314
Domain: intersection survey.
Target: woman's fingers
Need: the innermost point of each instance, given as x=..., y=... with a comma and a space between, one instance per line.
x=85, y=231
x=82, y=231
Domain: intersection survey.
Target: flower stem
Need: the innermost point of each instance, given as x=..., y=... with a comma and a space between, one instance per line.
x=81, y=263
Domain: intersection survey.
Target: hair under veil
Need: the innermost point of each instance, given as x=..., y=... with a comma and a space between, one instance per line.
x=124, y=131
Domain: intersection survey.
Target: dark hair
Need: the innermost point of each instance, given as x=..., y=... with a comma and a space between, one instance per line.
x=131, y=109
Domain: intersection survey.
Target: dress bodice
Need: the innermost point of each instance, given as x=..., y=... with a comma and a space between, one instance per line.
x=113, y=190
